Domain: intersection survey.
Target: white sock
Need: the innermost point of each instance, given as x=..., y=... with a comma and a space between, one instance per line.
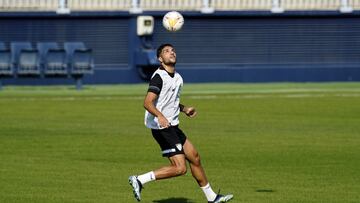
x=147, y=177
x=209, y=193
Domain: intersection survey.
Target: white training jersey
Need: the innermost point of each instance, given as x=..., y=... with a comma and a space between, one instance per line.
x=168, y=88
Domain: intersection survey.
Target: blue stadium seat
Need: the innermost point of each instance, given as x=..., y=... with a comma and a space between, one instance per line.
x=26, y=59
x=44, y=47
x=6, y=66
x=53, y=59
x=29, y=62
x=80, y=61
x=79, y=58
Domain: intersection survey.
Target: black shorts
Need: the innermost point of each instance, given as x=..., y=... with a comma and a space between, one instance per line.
x=171, y=140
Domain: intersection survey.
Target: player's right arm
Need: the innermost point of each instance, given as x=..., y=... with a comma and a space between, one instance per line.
x=154, y=90
x=150, y=107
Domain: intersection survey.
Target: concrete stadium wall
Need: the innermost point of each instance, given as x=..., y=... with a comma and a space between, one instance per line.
x=220, y=47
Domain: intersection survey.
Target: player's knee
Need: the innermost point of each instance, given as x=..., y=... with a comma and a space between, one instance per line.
x=181, y=170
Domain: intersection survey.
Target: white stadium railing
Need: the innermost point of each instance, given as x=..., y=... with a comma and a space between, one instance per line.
x=181, y=5
x=241, y=4
x=355, y=4
x=24, y=5
x=310, y=4
x=171, y=4
x=99, y=4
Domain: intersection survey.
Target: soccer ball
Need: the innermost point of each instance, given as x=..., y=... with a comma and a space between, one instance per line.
x=173, y=21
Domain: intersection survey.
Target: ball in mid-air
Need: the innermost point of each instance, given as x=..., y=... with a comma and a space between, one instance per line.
x=173, y=21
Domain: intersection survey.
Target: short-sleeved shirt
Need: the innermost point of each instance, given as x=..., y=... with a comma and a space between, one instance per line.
x=168, y=88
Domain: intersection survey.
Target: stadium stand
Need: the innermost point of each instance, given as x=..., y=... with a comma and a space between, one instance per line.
x=181, y=5
x=46, y=60
x=310, y=41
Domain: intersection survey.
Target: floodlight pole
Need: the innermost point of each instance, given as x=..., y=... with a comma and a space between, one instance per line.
x=276, y=7
x=63, y=7
x=135, y=7
x=345, y=7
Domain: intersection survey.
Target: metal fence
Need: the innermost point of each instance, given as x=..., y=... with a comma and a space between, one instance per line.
x=355, y=4
x=28, y=5
x=171, y=4
x=182, y=5
x=99, y=4
x=311, y=4
x=241, y=4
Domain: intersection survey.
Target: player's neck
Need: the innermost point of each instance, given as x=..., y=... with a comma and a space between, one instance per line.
x=169, y=68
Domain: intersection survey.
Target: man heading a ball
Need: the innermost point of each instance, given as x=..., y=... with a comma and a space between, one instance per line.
x=162, y=104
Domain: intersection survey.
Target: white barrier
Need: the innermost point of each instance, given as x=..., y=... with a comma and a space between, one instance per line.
x=241, y=4
x=171, y=4
x=99, y=4
x=182, y=5
x=311, y=4
x=355, y=4
x=24, y=5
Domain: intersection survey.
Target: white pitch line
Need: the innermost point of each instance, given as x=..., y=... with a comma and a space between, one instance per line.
x=289, y=90
x=202, y=97
x=262, y=96
x=72, y=98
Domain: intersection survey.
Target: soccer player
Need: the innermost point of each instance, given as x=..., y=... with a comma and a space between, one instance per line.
x=162, y=104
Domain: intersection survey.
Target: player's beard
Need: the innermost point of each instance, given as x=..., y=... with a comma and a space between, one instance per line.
x=170, y=62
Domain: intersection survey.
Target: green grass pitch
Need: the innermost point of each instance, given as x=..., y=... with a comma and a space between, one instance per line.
x=265, y=143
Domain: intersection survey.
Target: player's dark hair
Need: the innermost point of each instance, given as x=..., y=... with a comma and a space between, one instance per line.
x=161, y=47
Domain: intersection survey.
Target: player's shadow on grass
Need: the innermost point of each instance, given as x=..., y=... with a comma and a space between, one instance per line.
x=174, y=200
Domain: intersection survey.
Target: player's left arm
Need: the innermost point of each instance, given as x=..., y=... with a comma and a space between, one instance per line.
x=188, y=110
